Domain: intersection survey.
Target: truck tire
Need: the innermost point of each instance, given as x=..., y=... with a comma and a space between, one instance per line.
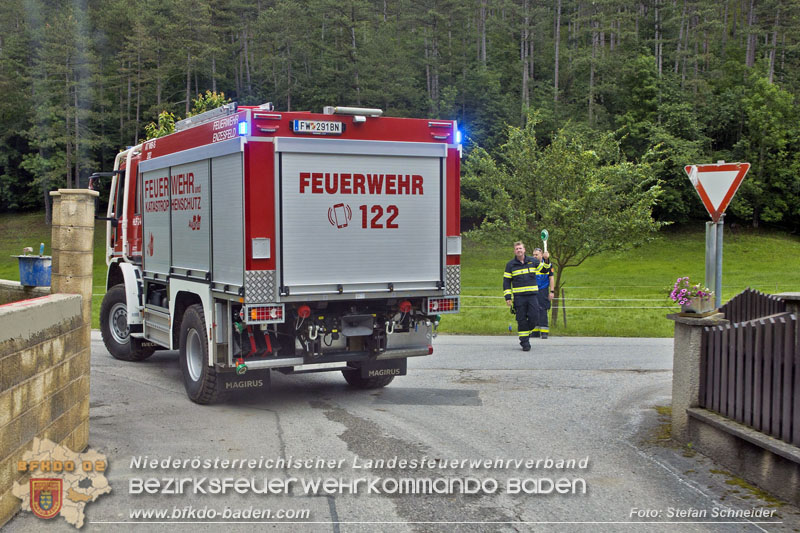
x=114, y=328
x=354, y=379
x=201, y=381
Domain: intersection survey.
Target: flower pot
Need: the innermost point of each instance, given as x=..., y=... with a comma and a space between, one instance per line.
x=698, y=306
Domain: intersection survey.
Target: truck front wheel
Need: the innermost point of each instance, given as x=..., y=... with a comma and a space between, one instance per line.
x=354, y=379
x=115, y=331
x=200, y=380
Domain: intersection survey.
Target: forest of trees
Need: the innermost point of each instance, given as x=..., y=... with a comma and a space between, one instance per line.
x=675, y=81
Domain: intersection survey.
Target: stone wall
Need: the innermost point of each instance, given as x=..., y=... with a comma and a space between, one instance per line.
x=44, y=382
x=45, y=348
x=14, y=291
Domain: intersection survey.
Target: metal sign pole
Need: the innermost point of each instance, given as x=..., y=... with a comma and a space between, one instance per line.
x=711, y=255
x=714, y=232
x=718, y=260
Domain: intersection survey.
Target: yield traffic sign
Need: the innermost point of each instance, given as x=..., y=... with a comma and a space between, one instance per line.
x=716, y=184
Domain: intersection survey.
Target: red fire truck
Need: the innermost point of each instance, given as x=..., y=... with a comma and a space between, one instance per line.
x=254, y=240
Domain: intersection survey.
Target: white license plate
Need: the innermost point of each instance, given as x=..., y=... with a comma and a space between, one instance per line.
x=318, y=127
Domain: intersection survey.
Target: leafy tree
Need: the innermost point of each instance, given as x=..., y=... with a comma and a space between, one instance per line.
x=16, y=188
x=581, y=189
x=769, y=192
x=206, y=102
x=284, y=31
x=166, y=120
x=165, y=126
x=662, y=124
x=58, y=137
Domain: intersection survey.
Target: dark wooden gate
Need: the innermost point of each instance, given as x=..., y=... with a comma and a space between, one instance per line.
x=750, y=368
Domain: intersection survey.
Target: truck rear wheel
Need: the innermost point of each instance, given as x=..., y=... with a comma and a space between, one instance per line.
x=114, y=328
x=201, y=381
x=354, y=379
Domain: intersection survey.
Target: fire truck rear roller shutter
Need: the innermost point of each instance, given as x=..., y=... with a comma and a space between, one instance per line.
x=369, y=238
x=155, y=221
x=189, y=216
x=227, y=219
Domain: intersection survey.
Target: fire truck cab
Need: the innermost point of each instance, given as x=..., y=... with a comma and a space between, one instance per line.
x=254, y=240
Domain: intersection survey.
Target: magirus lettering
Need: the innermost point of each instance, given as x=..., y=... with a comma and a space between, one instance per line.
x=244, y=384
x=384, y=372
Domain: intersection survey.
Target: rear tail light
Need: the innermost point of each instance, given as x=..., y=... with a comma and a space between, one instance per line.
x=264, y=314
x=438, y=306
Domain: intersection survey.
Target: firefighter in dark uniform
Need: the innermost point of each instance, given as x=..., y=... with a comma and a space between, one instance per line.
x=519, y=283
x=544, y=280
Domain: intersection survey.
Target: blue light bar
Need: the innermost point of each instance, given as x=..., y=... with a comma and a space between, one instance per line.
x=243, y=128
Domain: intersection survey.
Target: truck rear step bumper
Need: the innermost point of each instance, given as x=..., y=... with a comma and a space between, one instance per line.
x=298, y=362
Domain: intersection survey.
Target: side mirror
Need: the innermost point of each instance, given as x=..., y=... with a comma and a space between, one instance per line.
x=114, y=221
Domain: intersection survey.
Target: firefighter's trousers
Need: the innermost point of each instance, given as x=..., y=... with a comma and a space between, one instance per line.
x=544, y=306
x=527, y=306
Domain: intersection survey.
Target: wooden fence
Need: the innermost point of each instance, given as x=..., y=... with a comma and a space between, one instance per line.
x=750, y=304
x=750, y=369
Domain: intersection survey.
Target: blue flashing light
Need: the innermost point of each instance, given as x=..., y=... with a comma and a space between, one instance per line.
x=458, y=136
x=243, y=128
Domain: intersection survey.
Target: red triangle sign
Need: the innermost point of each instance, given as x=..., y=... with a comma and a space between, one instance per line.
x=716, y=184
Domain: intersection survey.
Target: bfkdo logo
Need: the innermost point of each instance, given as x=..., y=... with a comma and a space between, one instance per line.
x=61, y=483
x=46, y=496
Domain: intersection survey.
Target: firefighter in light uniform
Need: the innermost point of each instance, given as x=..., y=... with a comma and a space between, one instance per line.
x=544, y=280
x=519, y=283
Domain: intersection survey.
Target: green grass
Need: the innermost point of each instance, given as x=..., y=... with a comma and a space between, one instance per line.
x=617, y=282
x=28, y=229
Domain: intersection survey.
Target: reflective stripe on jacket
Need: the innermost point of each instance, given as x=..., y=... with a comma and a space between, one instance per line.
x=520, y=276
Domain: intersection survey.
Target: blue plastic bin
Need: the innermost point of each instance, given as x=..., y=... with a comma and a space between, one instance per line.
x=34, y=270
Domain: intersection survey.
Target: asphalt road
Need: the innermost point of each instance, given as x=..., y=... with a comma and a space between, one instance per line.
x=476, y=398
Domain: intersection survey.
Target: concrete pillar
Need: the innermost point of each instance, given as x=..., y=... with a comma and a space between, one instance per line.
x=73, y=248
x=55, y=217
x=686, y=358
